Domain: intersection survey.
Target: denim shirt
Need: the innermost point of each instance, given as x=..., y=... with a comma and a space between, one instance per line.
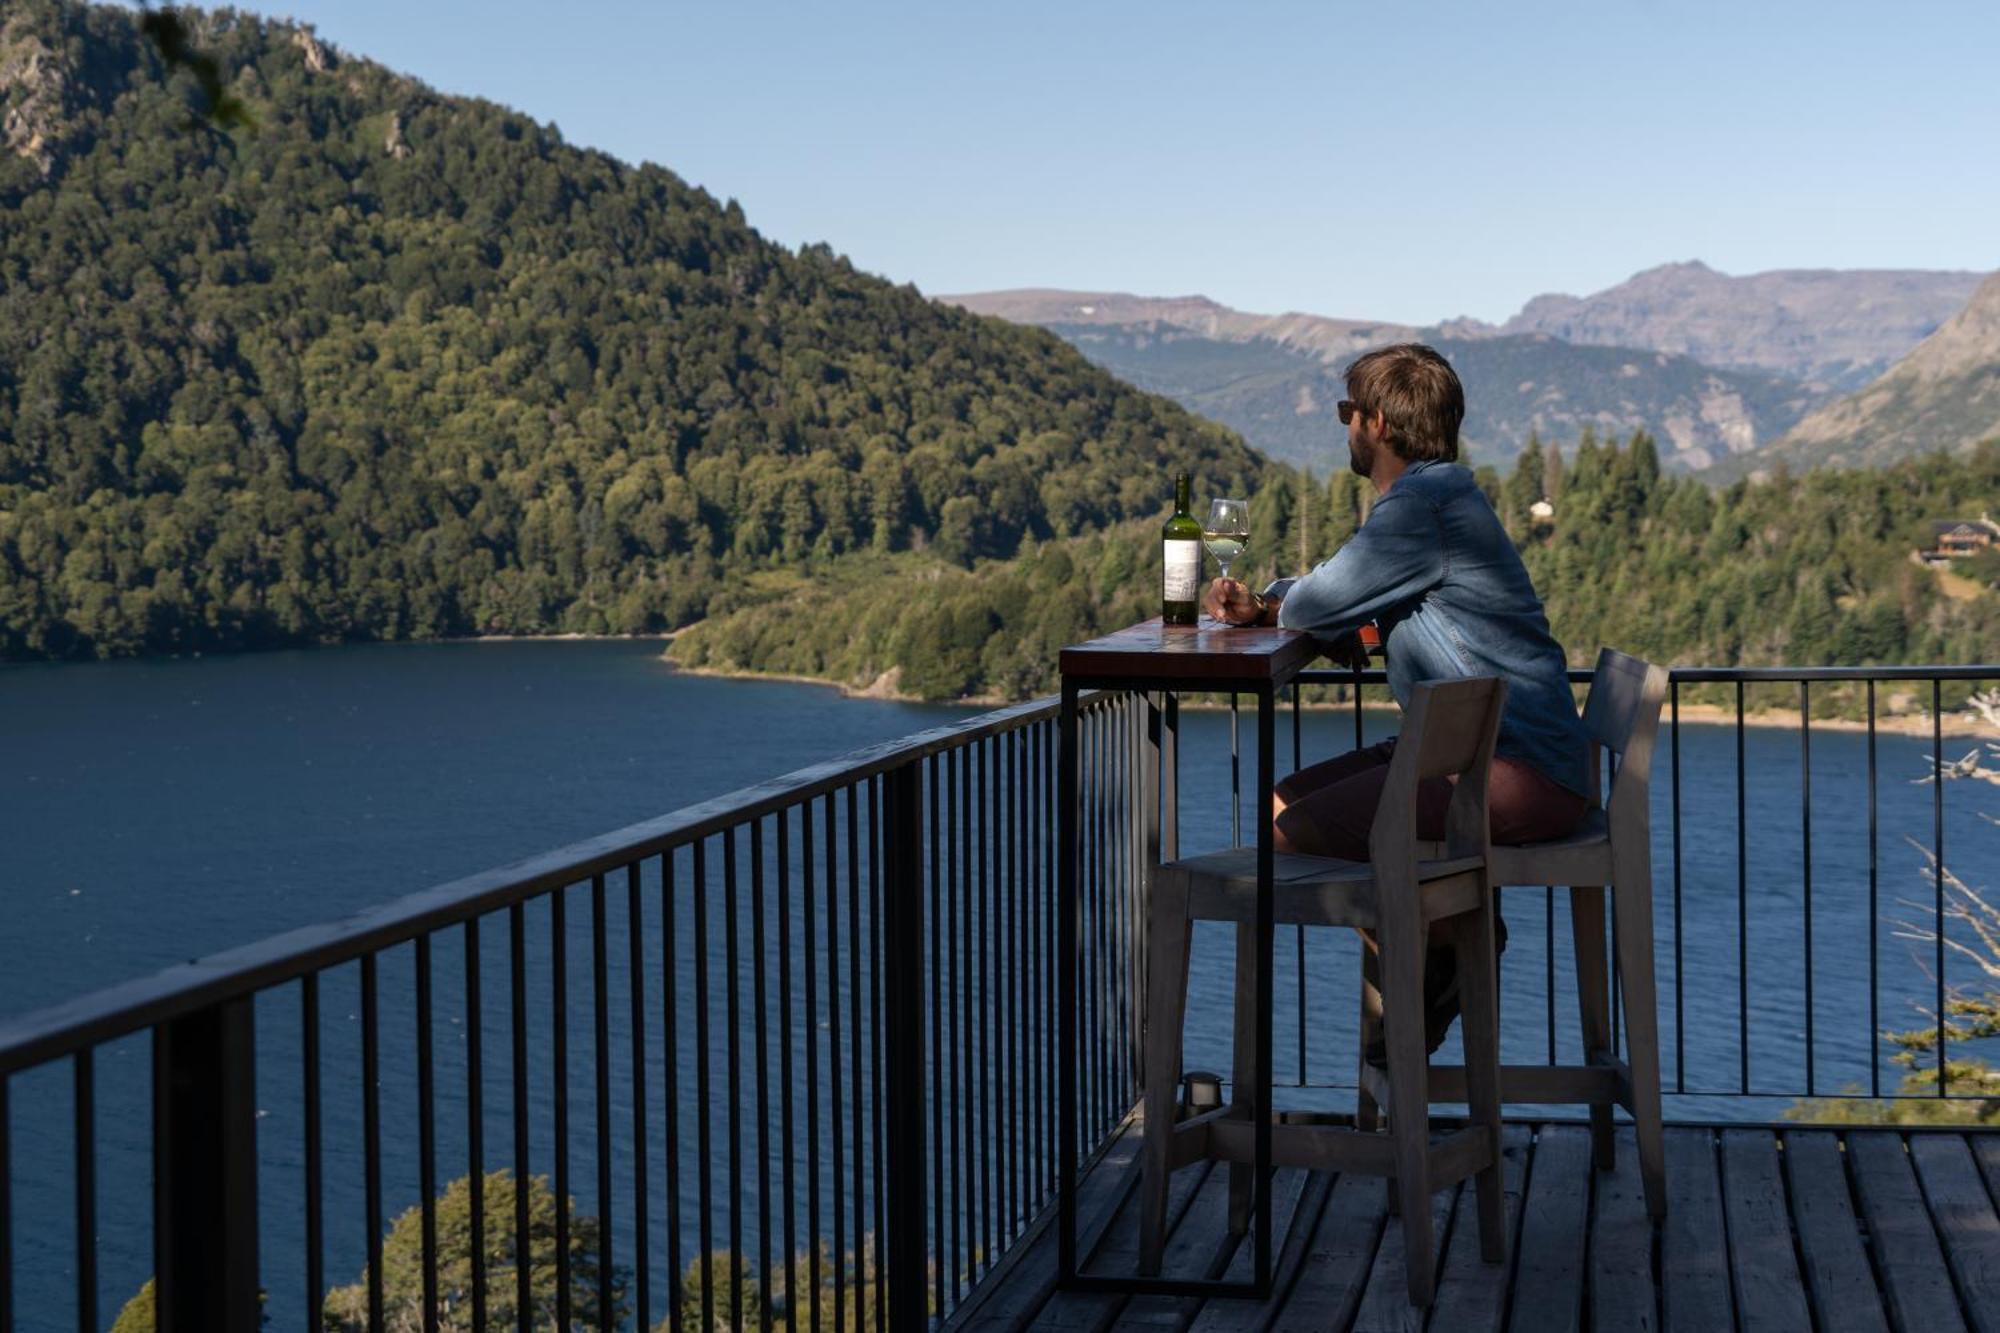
x=1435, y=570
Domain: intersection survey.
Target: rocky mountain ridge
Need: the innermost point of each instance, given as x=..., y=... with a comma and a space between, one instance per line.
x=1943, y=395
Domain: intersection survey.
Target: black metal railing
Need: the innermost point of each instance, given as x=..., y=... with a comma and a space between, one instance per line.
x=815, y=1086
x=802, y=1074
x=1749, y=922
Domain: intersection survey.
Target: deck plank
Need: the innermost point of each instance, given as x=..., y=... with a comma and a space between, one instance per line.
x=1769, y=1292
x=1025, y=1278
x=1965, y=1221
x=1622, y=1294
x=1292, y=1222
x=1694, y=1266
x=1986, y=1148
x=1233, y=1257
x=1472, y=1294
x=1548, y=1276
x=1334, y=1269
x=1385, y=1302
x=1093, y=1311
x=1838, y=1282
x=1907, y=1255
x=1198, y=1247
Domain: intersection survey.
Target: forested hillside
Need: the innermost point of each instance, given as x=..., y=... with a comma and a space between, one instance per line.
x=1803, y=569
x=405, y=365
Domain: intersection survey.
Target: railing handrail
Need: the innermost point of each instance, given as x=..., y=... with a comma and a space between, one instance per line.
x=128, y=1007
x=1699, y=675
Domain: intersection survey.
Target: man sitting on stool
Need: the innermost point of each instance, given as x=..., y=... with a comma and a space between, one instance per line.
x=1434, y=569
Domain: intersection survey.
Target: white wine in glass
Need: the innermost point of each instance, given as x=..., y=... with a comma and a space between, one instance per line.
x=1226, y=532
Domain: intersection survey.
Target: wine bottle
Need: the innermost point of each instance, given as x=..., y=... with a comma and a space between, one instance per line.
x=1181, y=543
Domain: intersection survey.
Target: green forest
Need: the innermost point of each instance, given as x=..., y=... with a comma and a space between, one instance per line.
x=385, y=364
x=1812, y=568
x=396, y=365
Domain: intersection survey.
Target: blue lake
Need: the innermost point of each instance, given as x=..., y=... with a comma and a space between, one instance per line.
x=151, y=812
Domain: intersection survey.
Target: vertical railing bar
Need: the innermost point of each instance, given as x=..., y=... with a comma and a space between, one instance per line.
x=1105, y=998
x=517, y=931
x=903, y=1249
x=1007, y=989
x=559, y=1060
x=988, y=1191
x=785, y=1065
x=1805, y=860
x=371, y=1138
x=426, y=1135
x=1100, y=1090
x=1680, y=961
x=966, y=889
x=1937, y=866
x=733, y=1079
x=642, y=1253
x=936, y=1062
x=309, y=1054
x=1089, y=952
x=834, y=1068
x=758, y=1019
x=876, y=1050
x=7, y=1210
x=1017, y=939
x=1549, y=963
x=857, y=1059
x=953, y=835
x=85, y=1079
x=475, y=1123
x=670, y=1086
x=1299, y=932
x=1008, y=971
x=704, y=1154
x=1057, y=970
x=808, y=901
x=1874, y=917
x=1235, y=776
x=1358, y=729
x=856, y=1054
x=1128, y=902
x=1742, y=906
x=600, y=980
x=1041, y=895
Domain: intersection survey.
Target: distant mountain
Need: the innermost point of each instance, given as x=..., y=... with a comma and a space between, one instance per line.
x=1318, y=335
x=1276, y=378
x=1943, y=395
x=1835, y=327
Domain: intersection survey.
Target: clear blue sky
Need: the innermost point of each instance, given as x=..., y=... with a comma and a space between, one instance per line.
x=1337, y=158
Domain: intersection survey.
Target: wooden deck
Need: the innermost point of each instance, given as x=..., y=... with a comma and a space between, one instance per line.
x=1839, y=1230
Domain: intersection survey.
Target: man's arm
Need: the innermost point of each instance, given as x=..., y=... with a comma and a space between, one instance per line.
x=1397, y=555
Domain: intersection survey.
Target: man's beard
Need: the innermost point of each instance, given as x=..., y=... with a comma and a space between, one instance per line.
x=1360, y=458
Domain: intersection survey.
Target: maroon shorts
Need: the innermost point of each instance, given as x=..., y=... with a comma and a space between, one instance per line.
x=1329, y=807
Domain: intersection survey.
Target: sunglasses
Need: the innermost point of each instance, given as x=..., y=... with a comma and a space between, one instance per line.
x=1347, y=410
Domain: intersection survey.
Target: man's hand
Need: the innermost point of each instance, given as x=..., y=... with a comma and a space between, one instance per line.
x=1232, y=603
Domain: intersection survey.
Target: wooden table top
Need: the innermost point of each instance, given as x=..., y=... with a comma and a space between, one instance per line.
x=1192, y=655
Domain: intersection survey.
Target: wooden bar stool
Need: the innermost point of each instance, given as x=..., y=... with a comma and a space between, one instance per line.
x=1612, y=846
x=1449, y=731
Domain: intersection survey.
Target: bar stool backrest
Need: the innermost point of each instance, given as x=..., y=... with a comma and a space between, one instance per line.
x=1622, y=716
x=1448, y=731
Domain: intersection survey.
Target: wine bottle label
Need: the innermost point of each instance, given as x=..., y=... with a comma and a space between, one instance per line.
x=1183, y=570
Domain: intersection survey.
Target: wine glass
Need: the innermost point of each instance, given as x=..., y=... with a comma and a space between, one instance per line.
x=1226, y=532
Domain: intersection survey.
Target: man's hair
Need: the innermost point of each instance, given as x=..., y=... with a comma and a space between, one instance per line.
x=1418, y=394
